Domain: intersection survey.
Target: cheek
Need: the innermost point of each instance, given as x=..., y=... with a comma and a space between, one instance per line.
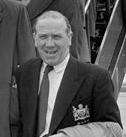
x=40, y=46
x=39, y=42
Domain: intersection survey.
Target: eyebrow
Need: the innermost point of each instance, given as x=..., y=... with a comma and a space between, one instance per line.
x=40, y=34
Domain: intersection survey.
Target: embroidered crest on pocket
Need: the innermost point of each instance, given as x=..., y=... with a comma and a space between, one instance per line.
x=81, y=113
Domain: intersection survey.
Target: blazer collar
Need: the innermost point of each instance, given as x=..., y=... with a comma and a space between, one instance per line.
x=69, y=86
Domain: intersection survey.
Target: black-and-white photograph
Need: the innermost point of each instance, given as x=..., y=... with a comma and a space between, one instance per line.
x=62, y=68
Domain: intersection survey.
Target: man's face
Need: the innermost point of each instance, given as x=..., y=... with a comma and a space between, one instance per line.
x=52, y=40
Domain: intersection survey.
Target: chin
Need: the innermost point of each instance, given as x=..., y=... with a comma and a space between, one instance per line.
x=52, y=60
x=51, y=63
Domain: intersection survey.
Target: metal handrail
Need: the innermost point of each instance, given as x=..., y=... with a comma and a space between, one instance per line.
x=87, y=5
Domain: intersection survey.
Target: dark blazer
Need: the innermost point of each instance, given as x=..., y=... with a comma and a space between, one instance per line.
x=16, y=47
x=85, y=95
x=73, y=10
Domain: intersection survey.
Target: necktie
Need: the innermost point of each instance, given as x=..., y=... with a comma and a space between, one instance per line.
x=43, y=100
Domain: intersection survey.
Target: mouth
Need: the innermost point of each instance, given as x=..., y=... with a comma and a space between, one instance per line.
x=51, y=52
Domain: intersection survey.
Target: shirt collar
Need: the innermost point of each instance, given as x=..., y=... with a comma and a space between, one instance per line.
x=60, y=66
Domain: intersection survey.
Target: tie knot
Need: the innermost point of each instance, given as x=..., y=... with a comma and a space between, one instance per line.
x=48, y=69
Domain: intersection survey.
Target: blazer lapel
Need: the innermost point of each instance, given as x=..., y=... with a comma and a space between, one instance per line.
x=31, y=92
x=68, y=88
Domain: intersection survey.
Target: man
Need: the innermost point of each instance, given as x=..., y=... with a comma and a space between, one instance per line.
x=16, y=47
x=73, y=10
x=80, y=102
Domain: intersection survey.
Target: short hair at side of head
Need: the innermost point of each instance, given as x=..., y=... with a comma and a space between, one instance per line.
x=53, y=15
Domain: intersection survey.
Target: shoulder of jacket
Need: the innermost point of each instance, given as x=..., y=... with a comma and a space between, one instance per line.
x=91, y=69
x=30, y=63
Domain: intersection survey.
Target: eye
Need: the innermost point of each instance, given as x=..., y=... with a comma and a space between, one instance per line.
x=57, y=37
x=43, y=37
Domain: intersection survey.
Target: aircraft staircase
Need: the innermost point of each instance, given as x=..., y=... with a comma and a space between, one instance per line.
x=109, y=45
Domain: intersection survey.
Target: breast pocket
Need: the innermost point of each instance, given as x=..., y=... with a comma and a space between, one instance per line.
x=80, y=110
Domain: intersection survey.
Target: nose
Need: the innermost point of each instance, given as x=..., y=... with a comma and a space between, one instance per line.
x=50, y=42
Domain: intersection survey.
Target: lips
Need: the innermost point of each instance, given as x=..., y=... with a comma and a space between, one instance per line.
x=50, y=51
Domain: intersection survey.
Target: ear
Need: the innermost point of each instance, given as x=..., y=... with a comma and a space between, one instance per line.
x=34, y=35
x=70, y=38
x=35, y=39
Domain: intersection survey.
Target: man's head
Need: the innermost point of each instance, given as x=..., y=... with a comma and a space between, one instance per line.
x=52, y=37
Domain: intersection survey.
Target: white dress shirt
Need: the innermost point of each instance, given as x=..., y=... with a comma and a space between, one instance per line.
x=55, y=77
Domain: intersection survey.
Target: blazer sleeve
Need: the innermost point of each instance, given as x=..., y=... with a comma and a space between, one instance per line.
x=95, y=129
x=105, y=107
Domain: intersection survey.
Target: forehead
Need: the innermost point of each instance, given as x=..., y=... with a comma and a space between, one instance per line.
x=50, y=25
